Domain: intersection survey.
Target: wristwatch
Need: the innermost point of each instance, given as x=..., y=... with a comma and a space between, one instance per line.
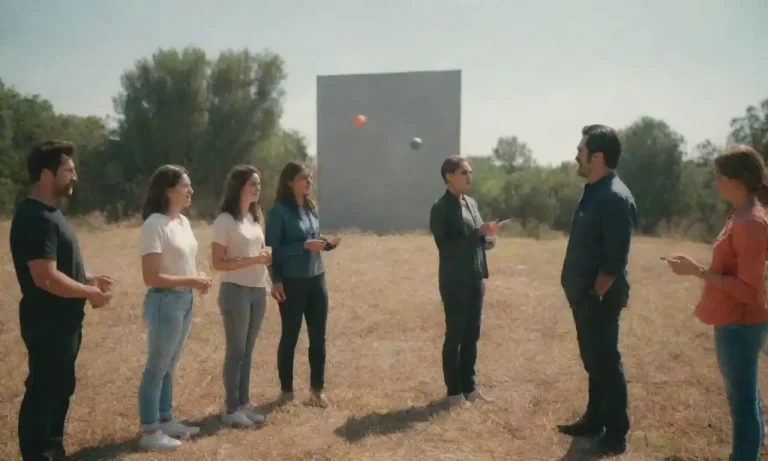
x=701, y=272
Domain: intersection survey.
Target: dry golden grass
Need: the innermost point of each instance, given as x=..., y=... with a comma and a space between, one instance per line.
x=383, y=371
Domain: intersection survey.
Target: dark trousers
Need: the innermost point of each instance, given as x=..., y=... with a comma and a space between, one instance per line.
x=597, y=331
x=52, y=349
x=463, y=307
x=307, y=298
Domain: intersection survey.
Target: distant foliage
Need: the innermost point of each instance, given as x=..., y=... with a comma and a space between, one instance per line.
x=209, y=113
x=179, y=106
x=674, y=189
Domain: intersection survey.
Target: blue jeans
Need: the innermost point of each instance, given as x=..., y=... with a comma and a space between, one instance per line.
x=738, y=349
x=167, y=316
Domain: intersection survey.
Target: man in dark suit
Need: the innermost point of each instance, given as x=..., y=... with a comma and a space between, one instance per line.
x=594, y=279
x=462, y=240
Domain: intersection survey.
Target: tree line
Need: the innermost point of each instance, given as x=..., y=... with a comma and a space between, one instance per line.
x=209, y=113
x=673, y=186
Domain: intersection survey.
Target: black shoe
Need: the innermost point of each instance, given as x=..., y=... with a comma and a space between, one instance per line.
x=581, y=428
x=608, y=446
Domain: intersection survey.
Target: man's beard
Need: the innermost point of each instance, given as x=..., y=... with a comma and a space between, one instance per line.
x=65, y=191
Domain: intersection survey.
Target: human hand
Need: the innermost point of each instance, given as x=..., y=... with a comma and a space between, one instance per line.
x=102, y=282
x=99, y=298
x=315, y=246
x=278, y=292
x=683, y=265
x=265, y=258
x=490, y=228
x=201, y=283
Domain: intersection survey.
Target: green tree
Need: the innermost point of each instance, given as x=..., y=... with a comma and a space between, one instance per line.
x=752, y=128
x=651, y=165
x=512, y=154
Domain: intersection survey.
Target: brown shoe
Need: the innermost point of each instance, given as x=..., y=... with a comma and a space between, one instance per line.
x=286, y=398
x=318, y=399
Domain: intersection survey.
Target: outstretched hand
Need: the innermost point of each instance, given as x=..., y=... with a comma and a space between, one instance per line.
x=683, y=265
x=490, y=228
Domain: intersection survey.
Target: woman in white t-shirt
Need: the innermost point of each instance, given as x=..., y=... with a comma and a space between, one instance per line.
x=168, y=251
x=238, y=251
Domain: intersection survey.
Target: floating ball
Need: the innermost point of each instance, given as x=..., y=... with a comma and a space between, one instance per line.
x=359, y=120
x=416, y=143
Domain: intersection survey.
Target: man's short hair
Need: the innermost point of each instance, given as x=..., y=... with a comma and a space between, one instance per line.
x=46, y=155
x=602, y=138
x=450, y=165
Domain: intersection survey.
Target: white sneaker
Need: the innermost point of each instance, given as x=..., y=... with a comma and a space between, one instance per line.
x=178, y=430
x=236, y=419
x=253, y=414
x=477, y=396
x=158, y=441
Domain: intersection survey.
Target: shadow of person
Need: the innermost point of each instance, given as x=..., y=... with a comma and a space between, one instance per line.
x=209, y=425
x=372, y=424
x=579, y=450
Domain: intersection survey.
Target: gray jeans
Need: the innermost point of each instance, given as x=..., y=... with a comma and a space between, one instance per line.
x=242, y=309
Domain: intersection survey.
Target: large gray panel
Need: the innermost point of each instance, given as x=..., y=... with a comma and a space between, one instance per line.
x=369, y=177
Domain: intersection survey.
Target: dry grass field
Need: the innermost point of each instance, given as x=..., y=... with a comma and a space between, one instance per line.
x=383, y=372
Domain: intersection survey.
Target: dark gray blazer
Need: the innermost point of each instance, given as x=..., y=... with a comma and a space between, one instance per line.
x=460, y=246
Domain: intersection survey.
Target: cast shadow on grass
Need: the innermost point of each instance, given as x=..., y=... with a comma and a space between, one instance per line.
x=209, y=426
x=579, y=450
x=373, y=424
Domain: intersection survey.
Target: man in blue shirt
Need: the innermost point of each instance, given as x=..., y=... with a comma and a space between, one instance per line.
x=594, y=279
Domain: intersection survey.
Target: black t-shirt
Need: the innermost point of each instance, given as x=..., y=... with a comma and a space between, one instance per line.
x=40, y=231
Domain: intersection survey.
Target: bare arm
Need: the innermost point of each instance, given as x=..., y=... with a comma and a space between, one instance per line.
x=48, y=278
x=221, y=264
x=150, y=270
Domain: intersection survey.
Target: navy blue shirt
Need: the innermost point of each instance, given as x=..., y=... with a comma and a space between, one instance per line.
x=601, y=231
x=288, y=228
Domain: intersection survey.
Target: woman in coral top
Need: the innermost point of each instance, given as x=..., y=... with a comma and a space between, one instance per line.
x=733, y=299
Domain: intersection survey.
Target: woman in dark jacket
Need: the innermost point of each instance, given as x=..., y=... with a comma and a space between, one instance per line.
x=298, y=277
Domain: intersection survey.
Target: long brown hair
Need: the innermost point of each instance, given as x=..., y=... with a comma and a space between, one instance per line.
x=745, y=165
x=233, y=192
x=164, y=178
x=285, y=191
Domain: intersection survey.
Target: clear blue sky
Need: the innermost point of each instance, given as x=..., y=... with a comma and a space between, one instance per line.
x=536, y=69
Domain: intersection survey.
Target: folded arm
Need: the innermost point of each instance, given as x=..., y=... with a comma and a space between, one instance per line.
x=150, y=272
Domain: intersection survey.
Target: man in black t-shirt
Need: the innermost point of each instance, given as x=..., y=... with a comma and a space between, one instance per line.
x=54, y=288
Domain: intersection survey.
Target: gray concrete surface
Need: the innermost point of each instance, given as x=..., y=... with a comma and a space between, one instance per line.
x=368, y=176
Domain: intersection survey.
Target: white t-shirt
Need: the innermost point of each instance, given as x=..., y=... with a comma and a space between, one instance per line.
x=242, y=239
x=174, y=240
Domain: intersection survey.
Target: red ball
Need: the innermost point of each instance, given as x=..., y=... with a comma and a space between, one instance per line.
x=359, y=120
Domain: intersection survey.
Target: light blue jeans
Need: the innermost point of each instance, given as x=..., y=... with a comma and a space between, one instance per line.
x=167, y=315
x=738, y=350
